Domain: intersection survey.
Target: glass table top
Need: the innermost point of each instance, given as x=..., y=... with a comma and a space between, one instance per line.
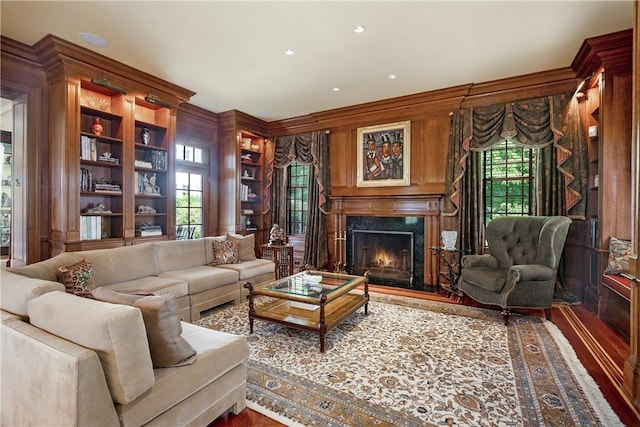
x=313, y=283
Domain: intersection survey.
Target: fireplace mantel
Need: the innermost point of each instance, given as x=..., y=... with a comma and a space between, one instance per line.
x=426, y=206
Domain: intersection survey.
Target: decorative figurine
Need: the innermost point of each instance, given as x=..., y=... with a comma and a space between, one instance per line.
x=149, y=184
x=276, y=235
x=97, y=126
x=145, y=136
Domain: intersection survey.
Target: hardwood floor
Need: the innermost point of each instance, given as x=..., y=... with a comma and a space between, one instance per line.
x=601, y=350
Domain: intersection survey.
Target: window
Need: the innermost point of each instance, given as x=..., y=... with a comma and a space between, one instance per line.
x=188, y=205
x=189, y=154
x=297, y=196
x=508, y=180
x=191, y=187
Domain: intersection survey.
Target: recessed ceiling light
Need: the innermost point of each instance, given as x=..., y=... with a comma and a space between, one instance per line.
x=392, y=76
x=92, y=39
x=336, y=89
x=359, y=29
x=289, y=52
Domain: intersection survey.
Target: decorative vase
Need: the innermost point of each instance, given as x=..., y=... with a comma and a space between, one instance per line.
x=449, y=239
x=96, y=127
x=145, y=136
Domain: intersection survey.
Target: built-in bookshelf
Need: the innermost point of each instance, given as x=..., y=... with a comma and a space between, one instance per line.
x=151, y=169
x=251, y=181
x=101, y=172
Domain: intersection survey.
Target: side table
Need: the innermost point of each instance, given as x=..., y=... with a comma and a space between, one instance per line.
x=448, y=268
x=282, y=256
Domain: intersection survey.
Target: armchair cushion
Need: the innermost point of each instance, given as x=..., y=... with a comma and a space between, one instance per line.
x=487, y=278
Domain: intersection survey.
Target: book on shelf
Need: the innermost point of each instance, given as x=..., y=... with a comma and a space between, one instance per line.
x=153, y=159
x=148, y=227
x=147, y=233
x=105, y=187
x=88, y=148
x=90, y=227
x=143, y=164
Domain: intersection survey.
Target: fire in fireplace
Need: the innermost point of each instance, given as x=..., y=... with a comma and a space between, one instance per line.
x=391, y=248
x=386, y=255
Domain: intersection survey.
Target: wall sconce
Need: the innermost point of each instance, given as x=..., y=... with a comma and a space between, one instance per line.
x=153, y=99
x=102, y=81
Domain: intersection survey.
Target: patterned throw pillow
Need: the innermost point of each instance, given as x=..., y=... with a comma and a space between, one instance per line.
x=225, y=252
x=619, y=251
x=77, y=278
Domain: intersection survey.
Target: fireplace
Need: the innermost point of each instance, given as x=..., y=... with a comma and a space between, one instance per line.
x=386, y=255
x=391, y=249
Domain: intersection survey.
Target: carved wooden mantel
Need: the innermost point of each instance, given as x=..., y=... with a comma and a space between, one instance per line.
x=426, y=206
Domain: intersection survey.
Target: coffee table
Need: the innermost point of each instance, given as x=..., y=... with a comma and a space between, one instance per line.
x=299, y=302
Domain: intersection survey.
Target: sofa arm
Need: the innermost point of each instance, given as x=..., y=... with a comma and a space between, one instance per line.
x=486, y=260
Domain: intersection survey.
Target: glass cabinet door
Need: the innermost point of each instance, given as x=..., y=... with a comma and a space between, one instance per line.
x=5, y=193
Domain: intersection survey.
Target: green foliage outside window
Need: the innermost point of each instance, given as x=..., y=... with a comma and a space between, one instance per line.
x=508, y=180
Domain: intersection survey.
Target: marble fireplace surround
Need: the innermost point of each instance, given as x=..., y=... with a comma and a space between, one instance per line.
x=424, y=208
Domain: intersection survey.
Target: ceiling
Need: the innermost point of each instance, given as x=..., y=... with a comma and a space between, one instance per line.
x=232, y=53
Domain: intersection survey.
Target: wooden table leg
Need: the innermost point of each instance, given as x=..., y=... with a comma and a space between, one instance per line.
x=249, y=286
x=322, y=325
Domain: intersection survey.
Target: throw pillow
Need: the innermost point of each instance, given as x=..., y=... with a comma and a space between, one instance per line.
x=247, y=251
x=619, y=251
x=225, y=252
x=164, y=332
x=77, y=278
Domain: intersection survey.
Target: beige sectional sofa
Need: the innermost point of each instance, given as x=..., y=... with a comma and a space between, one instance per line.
x=69, y=360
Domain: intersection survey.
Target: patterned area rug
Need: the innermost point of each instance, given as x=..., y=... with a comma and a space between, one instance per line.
x=417, y=363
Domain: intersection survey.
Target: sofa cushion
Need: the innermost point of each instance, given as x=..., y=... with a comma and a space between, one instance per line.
x=116, y=332
x=247, y=250
x=250, y=269
x=47, y=269
x=203, y=278
x=162, y=323
x=218, y=354
x=77, y=278
x=122, y=264
x=178, y=254
x=17, y=290
x=208, y=246
x=225, y=252
x=151, y=284
x=619, y=251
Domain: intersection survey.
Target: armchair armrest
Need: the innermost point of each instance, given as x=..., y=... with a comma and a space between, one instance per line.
x=485, y=260
x=527, y=272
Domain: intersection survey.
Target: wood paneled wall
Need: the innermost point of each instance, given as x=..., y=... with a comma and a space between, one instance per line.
x=430, y=114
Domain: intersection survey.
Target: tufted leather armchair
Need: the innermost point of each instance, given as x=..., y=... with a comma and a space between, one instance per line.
x=520, y=271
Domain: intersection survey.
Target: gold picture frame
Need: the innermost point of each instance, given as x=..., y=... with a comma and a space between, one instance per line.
x=384, y=155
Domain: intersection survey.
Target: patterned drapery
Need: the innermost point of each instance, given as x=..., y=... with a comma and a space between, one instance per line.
x=551, y=124
x=311, y=149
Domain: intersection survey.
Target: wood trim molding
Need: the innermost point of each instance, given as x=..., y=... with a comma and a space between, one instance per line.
x=59, y=57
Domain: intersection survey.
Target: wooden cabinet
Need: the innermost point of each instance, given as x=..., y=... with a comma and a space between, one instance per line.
x=112, y=131
x=6, y=157
x=151, y=170
x=251, y=182
x=243, y=208
x=282, y=256
x=605, y=110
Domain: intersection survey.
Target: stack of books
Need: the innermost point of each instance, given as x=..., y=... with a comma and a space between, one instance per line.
x=106, y=187
x=148, y=230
